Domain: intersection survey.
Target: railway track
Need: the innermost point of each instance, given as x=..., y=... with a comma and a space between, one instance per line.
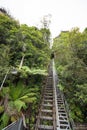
x=52, y=113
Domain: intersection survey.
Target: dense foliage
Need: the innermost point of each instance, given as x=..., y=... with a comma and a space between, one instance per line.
x=25, y=50
x=70, y=49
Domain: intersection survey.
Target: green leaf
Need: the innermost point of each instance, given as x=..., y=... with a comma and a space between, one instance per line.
x=19, y=104
x=1, y=109
x=30, y=100
x=5, y=119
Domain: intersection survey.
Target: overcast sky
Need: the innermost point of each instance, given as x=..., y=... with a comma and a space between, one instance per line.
x=66, y=14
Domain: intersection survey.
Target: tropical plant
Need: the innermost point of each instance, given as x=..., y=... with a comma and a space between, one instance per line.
x=70, y=49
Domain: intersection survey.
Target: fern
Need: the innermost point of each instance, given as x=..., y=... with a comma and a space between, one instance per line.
x=15, y=92
x=4, y=120
x=30, y=100
x=25, y=71
x=19, y=104
x=39, y=71
x=31, y=94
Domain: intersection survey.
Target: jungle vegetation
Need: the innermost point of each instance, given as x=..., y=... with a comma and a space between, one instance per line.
x=70, y=49
x=24, y=57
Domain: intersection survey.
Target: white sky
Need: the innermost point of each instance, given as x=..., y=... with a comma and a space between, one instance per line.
x=65, y=13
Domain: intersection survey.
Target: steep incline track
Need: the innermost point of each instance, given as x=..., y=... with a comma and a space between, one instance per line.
x=52, y=113
x=46, y=117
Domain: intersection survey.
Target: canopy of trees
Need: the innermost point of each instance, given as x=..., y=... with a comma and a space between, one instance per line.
x=26, y=50
x=70, y=49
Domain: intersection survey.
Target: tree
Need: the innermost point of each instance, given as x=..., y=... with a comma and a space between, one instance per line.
x=21, y=91
x=70, y=56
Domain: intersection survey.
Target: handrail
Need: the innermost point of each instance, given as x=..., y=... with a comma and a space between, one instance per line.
x=17, y=125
